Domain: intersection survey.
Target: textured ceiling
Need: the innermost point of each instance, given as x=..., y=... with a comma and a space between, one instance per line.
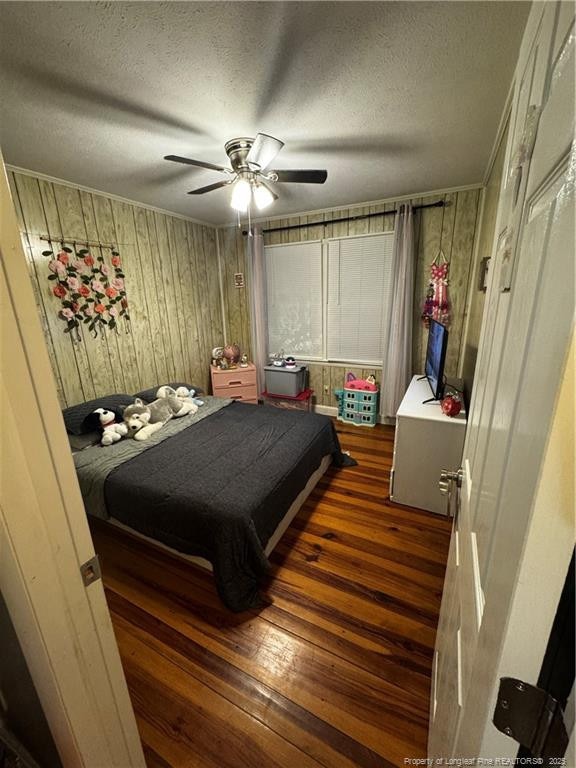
x=390, y=97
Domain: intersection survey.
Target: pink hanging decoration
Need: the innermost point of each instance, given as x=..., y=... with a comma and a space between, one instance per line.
x=437, y=303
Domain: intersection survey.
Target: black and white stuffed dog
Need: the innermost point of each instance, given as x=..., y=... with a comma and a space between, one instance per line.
x=110, y=422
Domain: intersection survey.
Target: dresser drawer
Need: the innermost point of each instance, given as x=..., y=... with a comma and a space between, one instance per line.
x=237, y=393
x=237, y=377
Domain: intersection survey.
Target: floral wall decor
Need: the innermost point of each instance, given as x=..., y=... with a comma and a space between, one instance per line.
x=92, y=293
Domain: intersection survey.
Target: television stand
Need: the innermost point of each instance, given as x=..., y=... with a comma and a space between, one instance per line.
x=426, y=442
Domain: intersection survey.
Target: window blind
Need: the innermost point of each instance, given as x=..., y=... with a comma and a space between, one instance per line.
x=359, y=276
x=294, y=294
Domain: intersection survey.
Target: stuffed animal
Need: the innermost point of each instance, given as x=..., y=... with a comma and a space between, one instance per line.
x=144, y=420
x=110, y=422
x=183, y=394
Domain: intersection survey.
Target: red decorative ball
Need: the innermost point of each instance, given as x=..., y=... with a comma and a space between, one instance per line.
x=451, y=405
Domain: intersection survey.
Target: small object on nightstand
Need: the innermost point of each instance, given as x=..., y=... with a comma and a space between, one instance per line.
x=244, y=361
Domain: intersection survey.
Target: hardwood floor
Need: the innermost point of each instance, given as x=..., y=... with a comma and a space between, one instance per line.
x=334, y=673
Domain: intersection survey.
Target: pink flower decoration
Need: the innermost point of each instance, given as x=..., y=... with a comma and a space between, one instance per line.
x=67, y=314
x=89, y=260
x=113, y=311
x=97, y=286
x=89, y=311
x=60, y=269
x=59, y=291
x=78, y=265
x=116, y=261
x=73, y=283
x=105, y=269
x=118, y=283
x=100, y=308
x=84, y=290
x=63, y=257
x=111, y=293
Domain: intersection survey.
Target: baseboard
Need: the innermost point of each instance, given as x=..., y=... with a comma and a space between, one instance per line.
x=327, y=410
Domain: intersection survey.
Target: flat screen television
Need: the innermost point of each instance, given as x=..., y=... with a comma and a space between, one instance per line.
x=435, y=358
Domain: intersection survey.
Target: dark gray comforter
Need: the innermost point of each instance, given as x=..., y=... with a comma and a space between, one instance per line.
x=219, y=488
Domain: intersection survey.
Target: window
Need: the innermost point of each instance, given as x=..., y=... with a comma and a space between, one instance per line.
x=294, y=295
x=330, y=300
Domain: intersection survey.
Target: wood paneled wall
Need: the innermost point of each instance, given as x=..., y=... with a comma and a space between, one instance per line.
x=451, y=228
x=172, y=284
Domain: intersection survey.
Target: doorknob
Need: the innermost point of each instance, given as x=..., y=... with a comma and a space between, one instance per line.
x=449, y=480
x=448, y=477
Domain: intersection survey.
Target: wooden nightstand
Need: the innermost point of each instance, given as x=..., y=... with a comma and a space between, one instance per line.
x=237, y=383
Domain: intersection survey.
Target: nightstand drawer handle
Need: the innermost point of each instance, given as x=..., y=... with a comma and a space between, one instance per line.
x=235, y=383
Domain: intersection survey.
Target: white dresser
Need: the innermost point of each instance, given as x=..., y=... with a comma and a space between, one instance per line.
x=426, y=442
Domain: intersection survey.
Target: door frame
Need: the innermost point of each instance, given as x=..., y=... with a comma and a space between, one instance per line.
x=63, y=626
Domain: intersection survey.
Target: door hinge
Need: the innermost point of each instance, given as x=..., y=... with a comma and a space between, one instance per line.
x=90, y=571
x=532, y=717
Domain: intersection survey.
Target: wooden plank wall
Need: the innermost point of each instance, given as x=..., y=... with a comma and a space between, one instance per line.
x=452, y=228
x=172, y=285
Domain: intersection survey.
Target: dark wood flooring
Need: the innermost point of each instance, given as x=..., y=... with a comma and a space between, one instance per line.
x=334, y=673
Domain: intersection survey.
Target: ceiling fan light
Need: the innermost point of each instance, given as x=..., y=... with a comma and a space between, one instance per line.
x=262, y=196
x=241, y=193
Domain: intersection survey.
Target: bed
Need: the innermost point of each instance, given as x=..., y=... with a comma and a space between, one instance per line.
x=221, y=485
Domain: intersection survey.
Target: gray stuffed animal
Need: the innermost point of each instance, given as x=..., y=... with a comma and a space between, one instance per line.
x=144, y=420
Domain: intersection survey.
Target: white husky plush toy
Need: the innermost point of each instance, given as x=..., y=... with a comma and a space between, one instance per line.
x=185, y=396
x=143, y=420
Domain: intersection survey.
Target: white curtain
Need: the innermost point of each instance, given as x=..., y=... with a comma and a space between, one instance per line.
x=397, y=368
x=258, y=308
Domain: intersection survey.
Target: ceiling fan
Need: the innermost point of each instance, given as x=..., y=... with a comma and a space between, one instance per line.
x=250, y=160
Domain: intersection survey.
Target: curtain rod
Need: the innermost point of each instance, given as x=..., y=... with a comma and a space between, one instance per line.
x=73, y=241
x=437, y=204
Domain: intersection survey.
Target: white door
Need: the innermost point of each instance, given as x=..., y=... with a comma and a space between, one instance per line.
x=525, y=336
x=63, y=626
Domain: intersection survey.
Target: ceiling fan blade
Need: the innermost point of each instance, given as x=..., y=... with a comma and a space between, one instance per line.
x=263, y=150
x=301, y=177
x=209, y=188
x=199, y=163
